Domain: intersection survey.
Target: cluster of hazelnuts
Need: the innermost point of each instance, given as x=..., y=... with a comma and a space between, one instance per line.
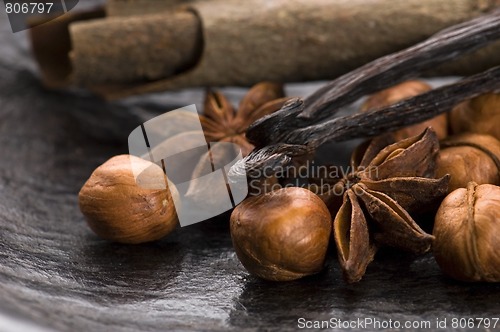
x=285, y=234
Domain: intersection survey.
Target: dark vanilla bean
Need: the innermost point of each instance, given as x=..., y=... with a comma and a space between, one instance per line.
x=404, y=113
x=302, y=141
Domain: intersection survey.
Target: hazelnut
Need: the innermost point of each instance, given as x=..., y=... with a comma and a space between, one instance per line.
x=479, y=115
x=120, y=208
x=467, y=233
x=400, y=92
x=469, y=157
x=282, y=235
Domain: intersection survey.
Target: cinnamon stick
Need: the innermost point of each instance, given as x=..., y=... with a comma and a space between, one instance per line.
x=140, y=7
x=240, y=43
x=135, y=48
x=51, y=44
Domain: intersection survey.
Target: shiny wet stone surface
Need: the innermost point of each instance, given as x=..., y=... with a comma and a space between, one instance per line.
x=55, y=274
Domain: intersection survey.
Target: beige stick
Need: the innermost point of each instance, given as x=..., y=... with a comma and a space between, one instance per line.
x=140, y=7
x=217, y=43
x=134, y=49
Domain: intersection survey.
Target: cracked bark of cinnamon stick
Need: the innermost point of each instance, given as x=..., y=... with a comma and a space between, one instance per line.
x=147, y=49
x=234, y=42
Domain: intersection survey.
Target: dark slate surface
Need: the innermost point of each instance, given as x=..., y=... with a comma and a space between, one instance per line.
x=56, y=275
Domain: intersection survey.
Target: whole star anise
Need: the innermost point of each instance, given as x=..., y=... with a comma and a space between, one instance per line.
x=221, y=123
x=385, y=186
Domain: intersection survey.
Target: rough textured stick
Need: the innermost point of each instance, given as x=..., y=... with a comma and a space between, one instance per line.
x=132, y=49
x=140, y=7
x=295, y=40
x=406, y=112
x=301, y=40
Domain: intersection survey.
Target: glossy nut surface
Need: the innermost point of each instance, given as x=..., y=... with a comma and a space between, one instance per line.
x=119, y=208
x=282, y=235
x=467, y=233
x=469, y=157
x=479, y=115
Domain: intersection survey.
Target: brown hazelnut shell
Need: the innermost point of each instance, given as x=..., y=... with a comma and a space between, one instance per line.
x=479, y=115
x=282, y=235
x=469, y=157
x=400, y=92
x=119, y=209
x=467, y=234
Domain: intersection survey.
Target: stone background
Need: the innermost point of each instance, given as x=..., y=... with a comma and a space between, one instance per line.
x=56, y=275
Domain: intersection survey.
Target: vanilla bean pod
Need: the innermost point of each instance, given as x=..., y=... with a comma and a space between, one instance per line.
x=376, y=75
x=404, y=113
x=303, y=141
x=268, y=158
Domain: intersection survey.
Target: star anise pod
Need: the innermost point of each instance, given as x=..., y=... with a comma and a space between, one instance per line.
x=221, y=123
x=385, y=186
